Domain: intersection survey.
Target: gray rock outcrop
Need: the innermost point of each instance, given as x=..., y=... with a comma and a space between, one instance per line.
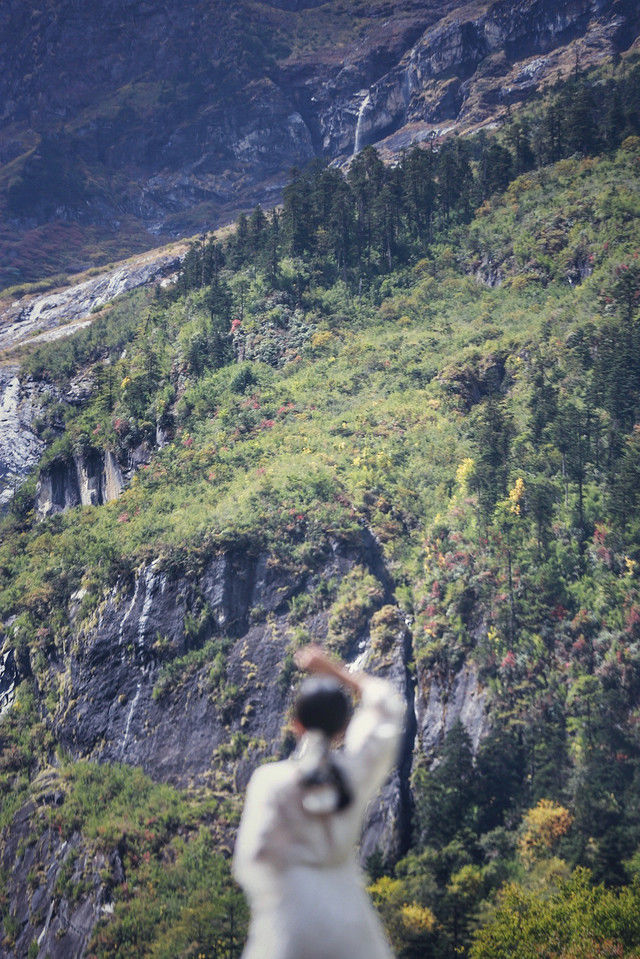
x=88, y=479
x=35, y=319
x=20, y=446
x=440, y=705
x=8, y=679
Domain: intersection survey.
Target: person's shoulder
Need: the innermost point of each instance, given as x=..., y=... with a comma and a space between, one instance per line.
x=380, y=695
x=273, y=776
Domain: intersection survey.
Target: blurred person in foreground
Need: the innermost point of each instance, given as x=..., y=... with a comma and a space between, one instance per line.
x=295, y=853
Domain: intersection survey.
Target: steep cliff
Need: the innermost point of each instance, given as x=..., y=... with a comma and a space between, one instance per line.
x=59, y=889
x=473, y=65
x=190, y=678
x=120, y=705
x=20, y=446
x=87, y=480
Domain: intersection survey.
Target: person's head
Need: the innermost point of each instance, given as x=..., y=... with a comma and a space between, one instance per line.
x=322, y=704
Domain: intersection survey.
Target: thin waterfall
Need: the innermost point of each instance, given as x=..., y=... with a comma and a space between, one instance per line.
x=358, y=139
x=125, y=738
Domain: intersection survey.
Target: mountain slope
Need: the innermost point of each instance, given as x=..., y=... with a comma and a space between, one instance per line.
x=130, y=122
x=400, y=418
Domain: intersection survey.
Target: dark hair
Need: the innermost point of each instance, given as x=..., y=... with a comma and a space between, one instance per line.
x=323, y=704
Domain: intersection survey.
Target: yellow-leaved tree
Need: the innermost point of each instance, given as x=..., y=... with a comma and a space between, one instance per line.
x=405, y=920
x=545, y=825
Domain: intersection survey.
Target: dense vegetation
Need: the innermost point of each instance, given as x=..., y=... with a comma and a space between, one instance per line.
x=448, y=352
x=377, y=217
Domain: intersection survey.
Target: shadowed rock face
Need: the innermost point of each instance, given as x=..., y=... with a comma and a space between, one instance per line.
x=88, y=480
x=472, y=382
x=118, y=709
x=60, y=925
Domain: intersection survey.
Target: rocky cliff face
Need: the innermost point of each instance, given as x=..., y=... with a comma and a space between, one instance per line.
x=128, y=694
x=33, y=319
x=189, y=113
x=474, y=63
x=439, y=705
x=118, y=707
x=84, y=480
x=8, y=679
x=20, y=446
x=58, y=890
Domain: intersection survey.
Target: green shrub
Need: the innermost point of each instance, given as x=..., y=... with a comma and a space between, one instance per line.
x=358, y=595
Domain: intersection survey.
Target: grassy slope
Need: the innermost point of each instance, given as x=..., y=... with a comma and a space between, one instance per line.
x=370, y=401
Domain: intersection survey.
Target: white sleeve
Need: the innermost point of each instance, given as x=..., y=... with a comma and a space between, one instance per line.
x=373, y=736
x=259, y=838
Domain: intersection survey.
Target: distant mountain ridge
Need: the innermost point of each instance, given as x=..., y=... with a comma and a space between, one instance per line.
x=126, y=122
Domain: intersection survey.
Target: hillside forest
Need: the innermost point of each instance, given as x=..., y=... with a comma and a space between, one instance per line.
x=446, y=352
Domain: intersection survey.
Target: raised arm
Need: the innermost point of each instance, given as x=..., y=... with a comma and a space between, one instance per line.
x=373, y=735
x=313, y=659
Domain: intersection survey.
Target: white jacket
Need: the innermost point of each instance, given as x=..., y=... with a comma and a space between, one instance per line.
x=299, y=868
